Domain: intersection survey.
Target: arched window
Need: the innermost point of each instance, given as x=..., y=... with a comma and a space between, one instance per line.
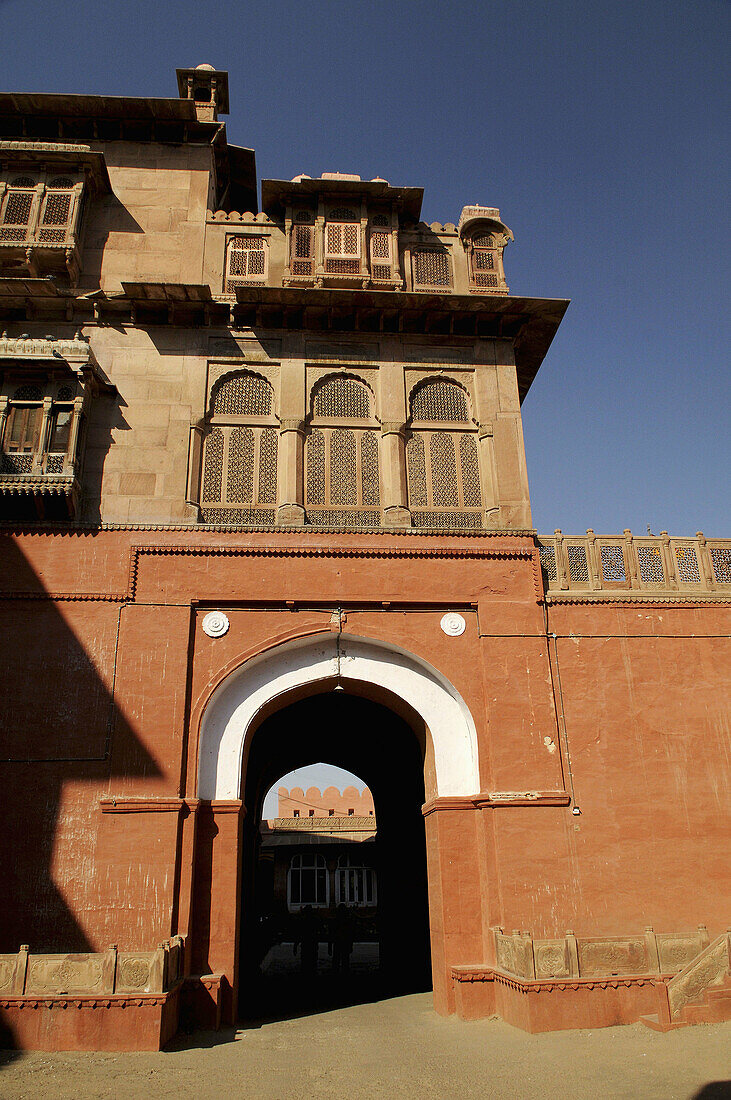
x=308, y=882
x=342, y=483
x=355, y=882
x=239, y=482
x=442, y=459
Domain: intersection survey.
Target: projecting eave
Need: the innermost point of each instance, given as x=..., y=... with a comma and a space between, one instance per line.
x=56, y=117
x=277, y=194
x=531, y=323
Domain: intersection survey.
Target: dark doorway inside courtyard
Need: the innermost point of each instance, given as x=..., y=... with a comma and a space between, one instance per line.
x=334, y=912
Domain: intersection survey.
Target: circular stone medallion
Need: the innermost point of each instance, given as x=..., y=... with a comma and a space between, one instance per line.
x=453, y=624
x=215, y=624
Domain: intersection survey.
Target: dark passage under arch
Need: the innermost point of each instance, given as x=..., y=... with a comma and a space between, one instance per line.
x=370, y=740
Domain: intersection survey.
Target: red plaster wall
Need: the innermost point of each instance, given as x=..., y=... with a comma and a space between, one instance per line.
x=642, y=691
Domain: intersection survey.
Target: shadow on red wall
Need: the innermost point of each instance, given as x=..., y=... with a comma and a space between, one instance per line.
x=58, y=724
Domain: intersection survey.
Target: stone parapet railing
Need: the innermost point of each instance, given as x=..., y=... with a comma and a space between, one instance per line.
x=704, y=971
x=321, y=823
x=629, y=566
x=92, y=974
x=573, y=956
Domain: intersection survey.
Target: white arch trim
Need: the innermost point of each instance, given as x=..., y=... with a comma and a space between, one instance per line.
x=230, y=715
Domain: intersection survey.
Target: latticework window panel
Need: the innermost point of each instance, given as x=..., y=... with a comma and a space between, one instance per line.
x=380, y=220
x=16, y=463
x=343, y=397
x=315, y=467
x=484, y=263
x=380, y=255
x=239, y=517
x=444, y=473
x=447, y=521
x=342, y=475
x=578, y=565
x=213, y=466
x=470, y=470
x=268, y=444
x=481, y=279
x=55, y=216
x=431, y=268
x=443, y=470
x=342, y=214
x=613, y=567
x=370, y=472
x=342, y=246
x=326, y=517
x=343, y=469
x=342, y=267
x=650, y=562
x=15, y=215
x=416, y=471
x=687, y=565
x=440, y=400
x=240, y=468
x=246, y=262
x=547, y=555
x=28, y=392
x=721, y=559
x=243, y=394
x=303, y=249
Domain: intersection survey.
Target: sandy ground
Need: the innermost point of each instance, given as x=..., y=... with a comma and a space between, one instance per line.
x=393, y=1048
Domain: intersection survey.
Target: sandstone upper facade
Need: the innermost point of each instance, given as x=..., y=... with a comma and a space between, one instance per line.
x=176, y=352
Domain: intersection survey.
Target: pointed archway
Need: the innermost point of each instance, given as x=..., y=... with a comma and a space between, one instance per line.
x=408, y=688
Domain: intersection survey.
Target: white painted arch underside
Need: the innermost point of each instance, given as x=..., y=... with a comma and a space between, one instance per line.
x=231, y=714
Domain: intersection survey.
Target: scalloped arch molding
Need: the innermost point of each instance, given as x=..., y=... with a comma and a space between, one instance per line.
x=231, y=712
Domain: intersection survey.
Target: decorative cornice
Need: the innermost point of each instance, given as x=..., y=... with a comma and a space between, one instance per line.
x=637, y=600
x=13, y=527
x=111, y=1000
x=76, y=351
x=94, y=597
x=464, y=974
x=46, y=484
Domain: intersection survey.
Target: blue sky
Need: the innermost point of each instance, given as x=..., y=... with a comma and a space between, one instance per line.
x=599, y=129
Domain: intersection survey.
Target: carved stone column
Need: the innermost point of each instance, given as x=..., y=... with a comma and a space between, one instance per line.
x=39, y=457
x=290, y=473
x=490, y=503
x=393, y=466
x=71, y=459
